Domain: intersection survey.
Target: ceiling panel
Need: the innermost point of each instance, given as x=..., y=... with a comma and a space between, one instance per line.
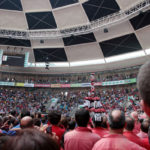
x=70, y=16
x=83, y=52
x=79, y=39
x=60, y=3
x=50, y=55
x=15, y=42
x=120, y=45
x=114, y=31
x=141, y=20
x=11, y=5
x=12, y=20
x=41, y=20
x=36, y=5
x=96, y=9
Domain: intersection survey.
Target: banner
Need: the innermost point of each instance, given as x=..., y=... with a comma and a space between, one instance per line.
x=65, y=85
x=55, y=85
x=20, y=84
x=98, y=84
x=76, y=85
x=42, y=85
x=28, y=85
x=85, y=84
x=7, y=83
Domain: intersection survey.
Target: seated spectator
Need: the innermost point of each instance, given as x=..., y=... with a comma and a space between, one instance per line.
x=129, y=134
x=98, y=129
x=31, y=139
x=115, y=139
x=144, y=130
x=81, y=138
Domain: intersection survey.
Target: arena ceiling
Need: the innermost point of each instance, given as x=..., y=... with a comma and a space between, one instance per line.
x=129, y=36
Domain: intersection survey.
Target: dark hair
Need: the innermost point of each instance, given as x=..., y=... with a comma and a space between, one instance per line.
x=31, y=139
x=54, y=117
x=37, y=122
x=3, y=140
x=13, y=113
x=116, y=122
x=64, y=122
x=25, y=113
x=71, y=125
x=143, y=82
x=145, y=126
x=82, y=117
x=129, y=123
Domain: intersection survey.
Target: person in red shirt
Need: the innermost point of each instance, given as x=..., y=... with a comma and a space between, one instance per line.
x=81, y=138
x=137, y=124
x=98, y=129
x=144, y=130
x=128, y=132
x=115, y=139
x=54, y=119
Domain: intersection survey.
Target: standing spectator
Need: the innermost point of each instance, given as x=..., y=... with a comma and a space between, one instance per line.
x=81, y=138
x=115, y=140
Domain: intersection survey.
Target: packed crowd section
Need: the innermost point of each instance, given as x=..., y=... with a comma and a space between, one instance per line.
x=122, y=126
x=68, y=100
x=70, y=78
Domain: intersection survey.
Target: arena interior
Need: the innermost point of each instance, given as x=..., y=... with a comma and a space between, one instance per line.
x=69, y=74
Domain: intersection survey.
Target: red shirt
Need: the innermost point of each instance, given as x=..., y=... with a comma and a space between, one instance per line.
x=100, y=131
x=59, y=132
x=146, y=143
x=116, y=142
x=136, y=129
x=81, y=138
x=133, y=137
x=142, y=135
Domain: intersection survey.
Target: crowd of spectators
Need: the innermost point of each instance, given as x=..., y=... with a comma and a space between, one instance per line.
x=122, y=126
x=68, y=79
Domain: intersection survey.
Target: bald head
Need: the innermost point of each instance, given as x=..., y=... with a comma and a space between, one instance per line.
x=145, y=126
x=116, y=119
x=26, y=122
x=134, y=115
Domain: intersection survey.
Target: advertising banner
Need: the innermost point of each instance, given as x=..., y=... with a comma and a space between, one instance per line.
x=55, y=85
x=28, y=85
x=85, y=84
x=42, y=85
x=7, y=83
x=65, y=85
x=20, y=84
x=98, y=84
x=76, y=85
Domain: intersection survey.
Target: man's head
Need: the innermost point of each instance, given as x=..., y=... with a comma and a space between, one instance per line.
x=31, y=139
x=143, y=84
x=145, y=126
x=54, y=117
x=116, y=120
x=25, y=113
x=134, y=115
x=26, y=122
x=129, y=124
x=82, y=117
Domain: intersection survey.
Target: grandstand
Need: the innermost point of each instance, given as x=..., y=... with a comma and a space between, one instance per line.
x=48, y=50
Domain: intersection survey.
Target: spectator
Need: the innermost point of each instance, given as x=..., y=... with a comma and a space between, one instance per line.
x=144, y=130
x=136, y=129
x=129, y=134
x=115, y=139
x=143, y=83
x=98, y=129
x=54, y=118
x=81, y=138
x=26, y=122
x=31, y=139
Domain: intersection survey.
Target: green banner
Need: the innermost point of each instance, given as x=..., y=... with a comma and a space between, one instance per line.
x=76, y=85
